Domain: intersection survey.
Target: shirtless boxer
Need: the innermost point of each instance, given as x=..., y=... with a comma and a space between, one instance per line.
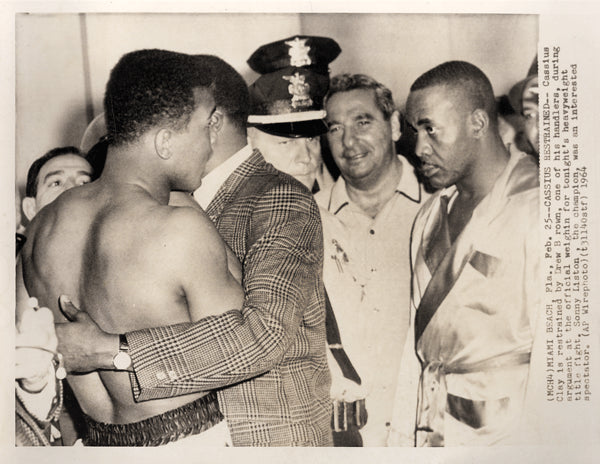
x=115, y=243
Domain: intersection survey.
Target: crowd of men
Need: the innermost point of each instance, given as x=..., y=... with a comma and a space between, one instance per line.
x=267, y=303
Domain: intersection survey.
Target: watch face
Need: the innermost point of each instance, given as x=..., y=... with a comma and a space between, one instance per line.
x=122, y=361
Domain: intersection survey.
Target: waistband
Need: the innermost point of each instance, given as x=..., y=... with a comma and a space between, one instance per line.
x=189, y=419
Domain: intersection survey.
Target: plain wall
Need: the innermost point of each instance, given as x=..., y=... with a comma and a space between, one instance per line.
x=55, y=54
x=51, y=96
x=396, y=49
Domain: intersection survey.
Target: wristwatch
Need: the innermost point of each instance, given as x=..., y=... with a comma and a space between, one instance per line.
x=122, y=360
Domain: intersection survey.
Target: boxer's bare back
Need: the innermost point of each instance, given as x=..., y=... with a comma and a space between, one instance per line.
x=131, y=263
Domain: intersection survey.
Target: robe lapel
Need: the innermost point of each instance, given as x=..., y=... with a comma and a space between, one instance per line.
x=460, y=253
x=438, y=248
x=445, y=275
x=442, y=280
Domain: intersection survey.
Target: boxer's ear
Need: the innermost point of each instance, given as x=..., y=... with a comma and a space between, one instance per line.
x=162, y=143
x=479, y=122
x=215, y=124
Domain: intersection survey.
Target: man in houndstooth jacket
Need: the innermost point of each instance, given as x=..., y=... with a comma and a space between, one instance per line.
x=267, y=359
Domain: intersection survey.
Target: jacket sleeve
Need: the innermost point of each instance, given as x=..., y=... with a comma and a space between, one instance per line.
x=281, y=268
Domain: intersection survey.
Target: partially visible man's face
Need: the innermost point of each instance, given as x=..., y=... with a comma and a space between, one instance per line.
x=299, y=157
x=440, y=123
x=193, y=145
x=60, y=174
x=531, y=113
x=360, y=138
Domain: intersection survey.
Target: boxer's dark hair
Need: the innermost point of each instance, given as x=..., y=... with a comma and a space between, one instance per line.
x=149, y=88
x=473, y=85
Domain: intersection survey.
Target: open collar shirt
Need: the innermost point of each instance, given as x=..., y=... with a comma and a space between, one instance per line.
x=367, y=278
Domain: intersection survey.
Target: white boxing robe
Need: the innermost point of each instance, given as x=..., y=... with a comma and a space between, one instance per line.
x=476, y=313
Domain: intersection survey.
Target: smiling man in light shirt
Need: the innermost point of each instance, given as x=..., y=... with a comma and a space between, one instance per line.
x=367, y=217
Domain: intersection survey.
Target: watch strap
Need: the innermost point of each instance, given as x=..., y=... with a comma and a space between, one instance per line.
x=123, y=345
x=122, y=360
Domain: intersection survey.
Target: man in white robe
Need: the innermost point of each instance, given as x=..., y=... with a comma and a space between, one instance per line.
x=475, y=254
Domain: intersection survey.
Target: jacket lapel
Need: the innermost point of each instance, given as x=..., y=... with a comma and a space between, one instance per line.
x=232, y=185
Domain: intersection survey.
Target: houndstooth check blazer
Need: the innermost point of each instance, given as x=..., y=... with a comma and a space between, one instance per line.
x=268, y=359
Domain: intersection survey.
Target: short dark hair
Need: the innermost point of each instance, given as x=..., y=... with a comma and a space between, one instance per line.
x=346, y=82
x=148, y=88
x=473, y=84
x=229, y=89
x=38, y=164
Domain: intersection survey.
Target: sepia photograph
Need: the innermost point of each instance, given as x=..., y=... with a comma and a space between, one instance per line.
x=343, y=226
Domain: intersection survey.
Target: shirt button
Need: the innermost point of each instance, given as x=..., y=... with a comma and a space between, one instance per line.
x=372, y=232
x=161, y=375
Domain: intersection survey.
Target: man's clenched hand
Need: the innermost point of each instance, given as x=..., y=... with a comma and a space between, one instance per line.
x=85, y=347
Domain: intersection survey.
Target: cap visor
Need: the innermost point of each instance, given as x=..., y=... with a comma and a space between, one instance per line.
x=310, y=128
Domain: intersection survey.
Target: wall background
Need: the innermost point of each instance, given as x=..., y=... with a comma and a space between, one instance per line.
x=63, y=60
